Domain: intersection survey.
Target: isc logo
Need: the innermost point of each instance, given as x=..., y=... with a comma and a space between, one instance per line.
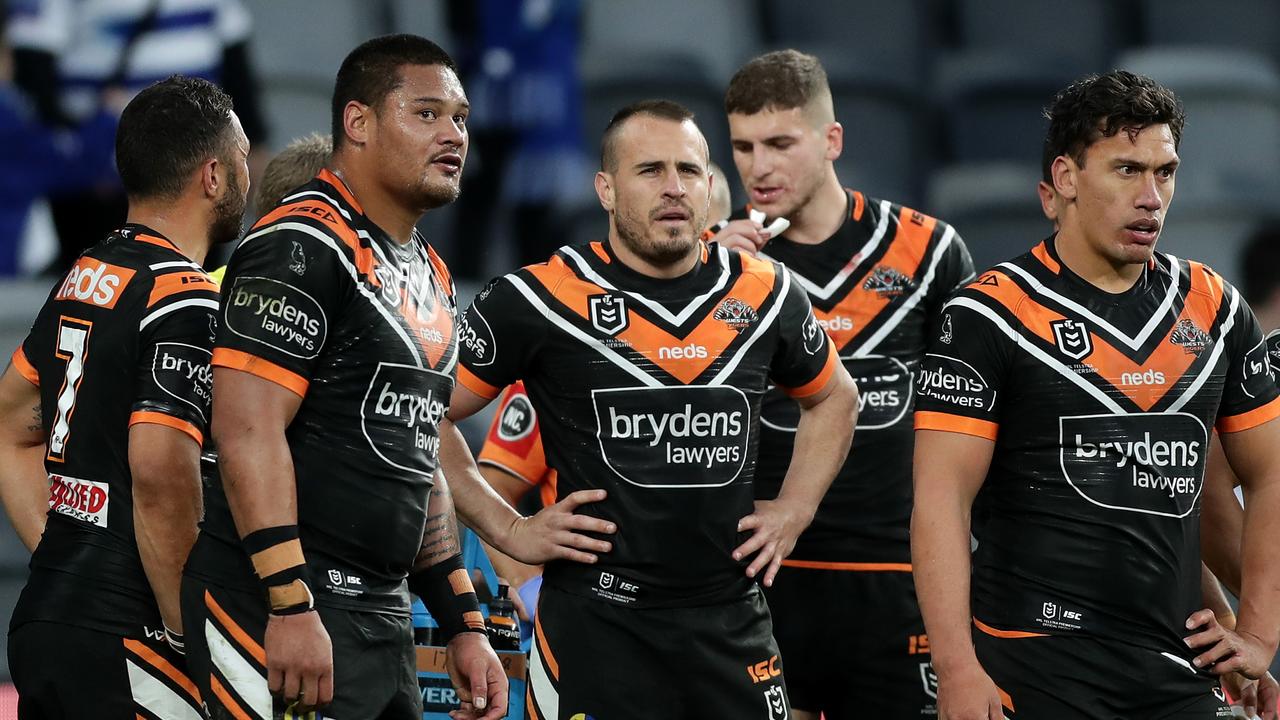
x=764, y=670
x=94, y=282
x=685, y=352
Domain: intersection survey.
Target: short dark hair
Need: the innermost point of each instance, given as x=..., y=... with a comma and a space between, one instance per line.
x=779, y=80
x=372, y=71
x=167, y=131
x=1258, y=262
x=664, y=109
x=1098, y=106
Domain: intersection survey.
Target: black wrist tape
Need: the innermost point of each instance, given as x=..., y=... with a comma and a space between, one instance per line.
x=446, y=590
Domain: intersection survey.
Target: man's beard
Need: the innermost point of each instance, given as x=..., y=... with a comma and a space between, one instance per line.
x=666, y=252
x=228, y=212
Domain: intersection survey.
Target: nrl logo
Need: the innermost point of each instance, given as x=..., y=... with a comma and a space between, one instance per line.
x=1187, y=335
x=736, y=314
x=609, y=314
x=1072, y=338
x=886, y=281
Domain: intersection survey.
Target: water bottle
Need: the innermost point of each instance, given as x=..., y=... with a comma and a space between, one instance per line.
x=504, y=628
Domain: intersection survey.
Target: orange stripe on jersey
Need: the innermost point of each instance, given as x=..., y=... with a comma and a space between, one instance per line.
x=819, y=382
x=153, y=240
x=237, y=633
x=859, y=204
x=946, y=422
x=1005, y=699
x=178, y=282
x=24, y=367
x=544, y=649
x=1041, y=252
x=156, y=418
x=324, y=213
x=1006, y=634
x=598, y=249
x=155, y=660
x=470, y=381
x=226, y=699
x=531, y=467
x=862, y=304
x=326, y=175
x=848, y=566
x=265, y=369
x=1251, y=419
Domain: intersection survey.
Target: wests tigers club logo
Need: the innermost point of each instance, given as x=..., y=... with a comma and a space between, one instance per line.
x=736, y=314
x=886, y=281
x=1190, y=337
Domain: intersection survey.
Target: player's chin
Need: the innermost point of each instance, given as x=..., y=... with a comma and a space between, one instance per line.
x=435, y=192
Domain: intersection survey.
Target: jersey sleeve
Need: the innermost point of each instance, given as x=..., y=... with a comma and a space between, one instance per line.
x=22, y=364
x=173, y=379
x=514, y=441
x=959, y=381
x=497, y=336
x=282, y=294
x=955, y=270
x=805, y=357
x=1250, y=397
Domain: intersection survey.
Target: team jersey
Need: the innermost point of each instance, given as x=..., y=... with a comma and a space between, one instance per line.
x=649, y=389
x=1100, y=406
x=514, y=443
x=124, y=338
x=319, y=300
x=875, y=285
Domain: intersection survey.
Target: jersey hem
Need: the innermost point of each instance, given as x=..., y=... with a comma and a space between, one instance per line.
x=946, y=422
x=260, y=367
x=25, y=368
x=1251, y=419
x=152, y=417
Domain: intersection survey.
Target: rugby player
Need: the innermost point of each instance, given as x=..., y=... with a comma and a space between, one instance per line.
x=646, y=358
x=877, y=274
x=106, y=404
x=333, y=365
x=513, y=462
x=1075, y=386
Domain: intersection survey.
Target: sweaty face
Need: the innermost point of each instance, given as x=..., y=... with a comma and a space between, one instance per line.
x=661, y=189
x=420, y=136
x=781, y=157
x=228, y=209
x=1123, y=193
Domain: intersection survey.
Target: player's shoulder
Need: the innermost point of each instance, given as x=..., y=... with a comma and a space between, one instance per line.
x=1004, y=287
x=323, y=210
x=136, y=267
x=1203, y=279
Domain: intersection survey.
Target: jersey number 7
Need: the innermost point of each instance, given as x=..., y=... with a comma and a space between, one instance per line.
x=73, y=347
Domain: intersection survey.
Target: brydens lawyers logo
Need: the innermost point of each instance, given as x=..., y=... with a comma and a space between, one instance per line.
x=609, y=313
x=1187, y=335
x=736, y=314
x=1072, y=338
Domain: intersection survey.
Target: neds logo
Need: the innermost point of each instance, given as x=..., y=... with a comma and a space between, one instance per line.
x=836, y=323
x=682, y=352
x=1150, y=377
x=94, y=282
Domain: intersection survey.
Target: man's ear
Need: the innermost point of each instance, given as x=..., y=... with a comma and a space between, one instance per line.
x=835, y=141
x=604, y=190
x=210, y=181
x=1066, y=175
x=356, y=121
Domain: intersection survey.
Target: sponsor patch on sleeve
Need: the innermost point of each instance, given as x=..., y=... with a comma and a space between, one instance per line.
x=182, y=372
x=954, y=383
x=277, y=315
x=475, y=336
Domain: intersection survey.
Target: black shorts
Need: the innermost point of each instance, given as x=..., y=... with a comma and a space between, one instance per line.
x=597, y=660
x=69, y=672
x=1059, y=677
x=374, y=663
x=854, y=643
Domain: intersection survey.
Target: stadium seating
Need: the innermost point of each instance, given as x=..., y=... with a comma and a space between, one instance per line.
x=1242, y=24
x=992, y=206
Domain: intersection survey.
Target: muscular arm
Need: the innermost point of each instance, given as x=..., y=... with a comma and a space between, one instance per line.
x=440, y=538
x=24, y=484
x=1221, y=520
x=949, y=470
x=1252, y=456
x=250, y=416
x=512, y=489
x=1212, y=597
x=165, y=468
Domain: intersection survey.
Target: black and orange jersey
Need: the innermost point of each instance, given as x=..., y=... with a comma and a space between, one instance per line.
x=514, y=443
x=874, y=285
x=124, y=338
x=649, y=389
x=320, y=301
x=1100, y=406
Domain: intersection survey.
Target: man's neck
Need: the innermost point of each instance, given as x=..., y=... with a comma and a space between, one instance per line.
x=385, y=212
x=1075, y=252
x=644, y=267
x=176, y=222
x=822, y=216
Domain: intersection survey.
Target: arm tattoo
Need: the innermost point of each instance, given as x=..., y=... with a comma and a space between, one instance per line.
x=37, y=420
x=440, y=536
